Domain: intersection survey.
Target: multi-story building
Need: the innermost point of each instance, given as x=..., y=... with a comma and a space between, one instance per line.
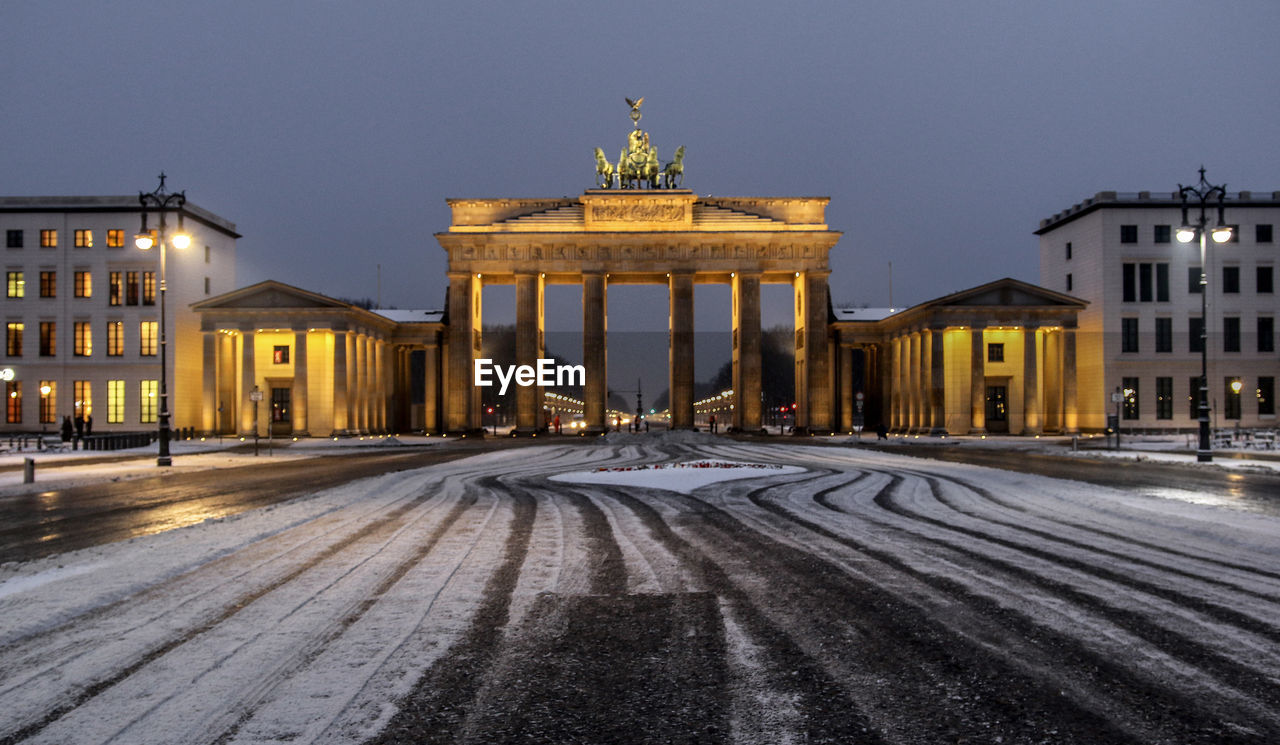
x=1141, y=332
x=81, y=312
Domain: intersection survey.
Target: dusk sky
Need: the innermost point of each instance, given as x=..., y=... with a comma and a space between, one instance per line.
x=331, y=133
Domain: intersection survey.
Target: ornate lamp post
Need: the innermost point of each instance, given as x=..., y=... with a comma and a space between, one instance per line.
x=162, y=202
x=1203, y=193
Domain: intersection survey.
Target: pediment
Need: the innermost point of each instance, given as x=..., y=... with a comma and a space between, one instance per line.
x=1007, y=293
x=269, y=294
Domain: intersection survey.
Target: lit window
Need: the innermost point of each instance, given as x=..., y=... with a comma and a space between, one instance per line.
x=84, y=284
x=83, y=339
x=149, y=400
x=1130, y=390
x=13, y=394
x=280, y=355
x=116, y=289
x=48, y=239
x=83, y=390
x=84, y=238
x=13, y=338
x=115, y=401
x=115, y=338
x=131, y=288
x=115, y=239
x=48, y=284
x=48, y=401
x=1231, y=397
x=17, y=285
x=148, y=288
x=147, y=331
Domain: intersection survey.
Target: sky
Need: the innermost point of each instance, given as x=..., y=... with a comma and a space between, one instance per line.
x=332, y=132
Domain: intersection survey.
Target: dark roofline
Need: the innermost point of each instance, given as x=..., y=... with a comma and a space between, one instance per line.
x=1158, y=200
x=108, y=204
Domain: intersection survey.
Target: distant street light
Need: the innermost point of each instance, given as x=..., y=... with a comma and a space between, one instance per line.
x=1203, y=193
x=162, y=202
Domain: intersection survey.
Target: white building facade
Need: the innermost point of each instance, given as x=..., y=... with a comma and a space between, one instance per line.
x=82, y=311
x=1140, y=333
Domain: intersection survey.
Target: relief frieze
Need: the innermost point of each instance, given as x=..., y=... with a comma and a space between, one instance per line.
x=638, y=212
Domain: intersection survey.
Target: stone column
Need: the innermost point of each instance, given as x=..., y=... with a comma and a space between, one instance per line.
x=913, y=382
x=1070, y=417
x=529, y=335
x=1052, y=365
x=846, y=388
x=938, y=381
x=358, y=391
x=462, y=408
x=353, y=383
x=977, y=380
x=680, y=291
x=431, y=382
x=209, y=389
x=813, y=368
x=898, y=386
x=381, y=371
x=747, y=371
x=341, y=411
x=248, y=422
x=595, y=303
x=300, y=413
x=1031, y=422
x=884, y=382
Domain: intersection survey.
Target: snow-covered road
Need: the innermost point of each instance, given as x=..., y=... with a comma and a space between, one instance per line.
x=847, y=597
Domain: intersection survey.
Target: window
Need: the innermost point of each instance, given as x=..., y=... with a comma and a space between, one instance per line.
x=1231, y=397
x=13, y=239
x=115, y=338
x=1195, y=334
x=147, y=338
x=83, y=339
x=1230, y=279
x=48, y=401
x=1266, y=334
x=48, y=284
x=1195, y=282
x=116, y=288
x=131, y=288
x=280, y=354
x=48, y=239
x=115, y=401
x=1128, y=233
x=1164, y=335
x=13, y=338
x=1266, y=394
x=1129, y=273
x=1194, y=396
x=208, y=254
x=1161, y=234
x=206, y=285
x=1068, y=250
x=1162, y=283
x=1128, y=335
x=1265, y=280
x=1068, y=282
x=48, y=338
x=148, y=402
x=13, y=394
x=995, y=353
x=115, y=239
x=1144, y=282
x=1231, y=334
x=1164, y=398
x=1262, y=233
x=148, y=288
x=84, y=238
x=83, y=392
x=84, y=283
x=17, y=285
x=1130, y=410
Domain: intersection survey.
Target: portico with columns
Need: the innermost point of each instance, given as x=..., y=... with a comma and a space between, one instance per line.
x=321, y=367
x=617, y=237
x=998, y=358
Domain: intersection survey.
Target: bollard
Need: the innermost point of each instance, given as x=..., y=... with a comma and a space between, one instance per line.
x=1075, y=441
x=28, y=470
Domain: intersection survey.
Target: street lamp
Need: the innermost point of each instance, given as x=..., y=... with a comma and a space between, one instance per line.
x=1203, y=193
x=162, y=202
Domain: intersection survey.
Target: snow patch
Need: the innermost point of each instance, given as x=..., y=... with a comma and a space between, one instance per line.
x=677, y=477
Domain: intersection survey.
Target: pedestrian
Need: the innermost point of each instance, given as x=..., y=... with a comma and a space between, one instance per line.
x=66, y=429
x=882, y=432
x=88, y=425
x=79, y=422
x=713, y=424
x=557, y=424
